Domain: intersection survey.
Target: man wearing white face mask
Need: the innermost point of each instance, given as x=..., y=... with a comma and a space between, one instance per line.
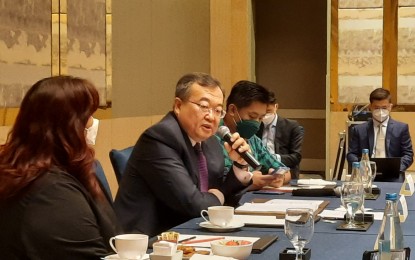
x=283, y=137
x=383, y=136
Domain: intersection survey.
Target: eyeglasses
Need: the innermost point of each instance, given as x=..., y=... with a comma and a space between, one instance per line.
x=217, y=112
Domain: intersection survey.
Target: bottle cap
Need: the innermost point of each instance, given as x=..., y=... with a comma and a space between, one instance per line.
x=391, y=196
x=356, y=165
x=365, y=150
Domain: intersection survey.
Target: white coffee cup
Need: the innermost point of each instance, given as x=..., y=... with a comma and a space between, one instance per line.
x=130, y=246
x=219, y=215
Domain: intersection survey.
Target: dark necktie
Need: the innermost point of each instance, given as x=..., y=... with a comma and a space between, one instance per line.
x=202, y=166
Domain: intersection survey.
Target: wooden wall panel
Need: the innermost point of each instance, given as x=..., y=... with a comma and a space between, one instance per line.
x=155, y=42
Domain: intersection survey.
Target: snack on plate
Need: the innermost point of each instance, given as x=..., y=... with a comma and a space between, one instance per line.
x=188, y=251
x=169, y=236
x=237, y=242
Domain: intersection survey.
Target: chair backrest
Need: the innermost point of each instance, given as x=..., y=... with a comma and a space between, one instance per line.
x=119, y=159
x=99, y=171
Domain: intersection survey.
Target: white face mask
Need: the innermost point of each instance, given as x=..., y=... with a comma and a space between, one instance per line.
x=380, y=115
x=268, y=118
x=91, y=133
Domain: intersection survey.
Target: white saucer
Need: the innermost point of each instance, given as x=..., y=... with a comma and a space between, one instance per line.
x=231, y=227
x=116, y=256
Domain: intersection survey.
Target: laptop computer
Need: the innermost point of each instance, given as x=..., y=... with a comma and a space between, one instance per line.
x=388, y=169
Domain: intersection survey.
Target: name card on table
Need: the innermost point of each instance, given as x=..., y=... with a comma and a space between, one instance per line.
x=408, y=183
x=404, y=215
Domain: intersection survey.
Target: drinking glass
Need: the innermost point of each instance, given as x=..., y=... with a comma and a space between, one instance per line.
x=299, y=228
x=372, y=177
x=352, y=196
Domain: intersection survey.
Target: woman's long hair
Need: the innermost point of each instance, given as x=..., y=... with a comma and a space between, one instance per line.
x=49, y=133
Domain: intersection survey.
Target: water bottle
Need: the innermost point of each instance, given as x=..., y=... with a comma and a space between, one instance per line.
x=356, y=175
x=390, y=236
x=365, y=169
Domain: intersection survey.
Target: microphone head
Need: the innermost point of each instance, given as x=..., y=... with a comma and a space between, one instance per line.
x=222, y=131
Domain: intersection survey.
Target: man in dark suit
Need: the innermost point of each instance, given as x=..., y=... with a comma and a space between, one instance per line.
x=166, y=182
x=383, y=136
x=283, y=137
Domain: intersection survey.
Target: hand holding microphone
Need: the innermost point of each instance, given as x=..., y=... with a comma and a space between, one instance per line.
x=225, y=134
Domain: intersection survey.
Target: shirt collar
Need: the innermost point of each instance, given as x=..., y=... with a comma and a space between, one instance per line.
x=384, y=123
x=193, y=142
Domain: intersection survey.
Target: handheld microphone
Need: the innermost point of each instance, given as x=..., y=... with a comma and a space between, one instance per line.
x=225, y=134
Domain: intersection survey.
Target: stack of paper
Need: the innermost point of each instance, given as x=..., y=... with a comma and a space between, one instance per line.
x=277, y=206
x=319, y=182
x=262, y=221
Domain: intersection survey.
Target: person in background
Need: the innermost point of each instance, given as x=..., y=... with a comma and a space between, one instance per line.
x=246, y=105
x=92, y=131
x=283, y=137
x=166, y=181
x=51, y=204
x=383, y=136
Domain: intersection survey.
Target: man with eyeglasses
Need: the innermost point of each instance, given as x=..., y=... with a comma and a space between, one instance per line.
x=383, y=136
x=176, y=168
x=246, y=105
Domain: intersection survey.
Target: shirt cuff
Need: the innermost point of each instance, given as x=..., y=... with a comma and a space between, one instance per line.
x=278, y=157
x=242, y=175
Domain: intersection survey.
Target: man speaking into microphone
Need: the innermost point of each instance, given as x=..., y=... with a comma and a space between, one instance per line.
x=246, y=105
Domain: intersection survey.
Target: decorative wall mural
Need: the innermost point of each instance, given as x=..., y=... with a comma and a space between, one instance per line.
x=25, y=47
x=40, y=38
x=359, y=53
x=406, y=2
x=86, y=42
x=406, y=55
x=360, y=3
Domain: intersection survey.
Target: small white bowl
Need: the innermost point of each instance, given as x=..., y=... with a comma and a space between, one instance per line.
x=240, y=251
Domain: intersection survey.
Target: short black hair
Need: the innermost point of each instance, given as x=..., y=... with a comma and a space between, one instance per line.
x=245, y=92
x=380, y=94
x=185, y=83
x=272, y=99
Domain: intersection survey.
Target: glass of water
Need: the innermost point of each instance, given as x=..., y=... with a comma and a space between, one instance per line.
x=299, y=228
x=352, y=196
x=373, y=175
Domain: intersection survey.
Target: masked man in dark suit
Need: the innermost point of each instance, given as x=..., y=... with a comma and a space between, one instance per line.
x=283, y=137
x=167, y=181
x=383, y=136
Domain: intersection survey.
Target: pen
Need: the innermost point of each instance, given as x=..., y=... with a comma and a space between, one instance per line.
x=202, y=240
x=187, y=239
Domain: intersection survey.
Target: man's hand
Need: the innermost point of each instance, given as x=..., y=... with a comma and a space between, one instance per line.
x=218, y=194
x=281, y=179
x=259, y=180
x=238, y=144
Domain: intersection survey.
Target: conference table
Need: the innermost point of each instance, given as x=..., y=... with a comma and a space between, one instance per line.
x=327, y=242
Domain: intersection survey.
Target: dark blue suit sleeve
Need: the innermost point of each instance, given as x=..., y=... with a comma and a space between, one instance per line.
x=407, y=153
x=354, y=151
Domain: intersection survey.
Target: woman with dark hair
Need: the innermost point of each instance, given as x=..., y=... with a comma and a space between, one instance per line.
x=51, y=204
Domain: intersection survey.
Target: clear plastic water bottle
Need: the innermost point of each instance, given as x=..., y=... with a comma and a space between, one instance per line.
x=365, y=169
x=355, y=175
x=390, y=236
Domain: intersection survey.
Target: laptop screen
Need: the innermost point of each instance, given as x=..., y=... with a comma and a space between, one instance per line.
x=387, y=169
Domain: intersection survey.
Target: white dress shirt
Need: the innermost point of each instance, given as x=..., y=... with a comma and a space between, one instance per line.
x=268, y=137
x=375, y=130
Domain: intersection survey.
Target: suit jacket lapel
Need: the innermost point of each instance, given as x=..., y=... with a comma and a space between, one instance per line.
x=388, y=135
x=194, y=173
x=278, y=133
x=371, y=136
